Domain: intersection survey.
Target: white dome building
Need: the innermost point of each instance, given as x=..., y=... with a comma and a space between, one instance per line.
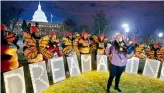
x=39, y=15
x=45, y=27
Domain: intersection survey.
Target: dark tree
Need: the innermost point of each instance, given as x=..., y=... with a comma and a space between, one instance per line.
x=69, y=24
x=10, y=16
x=101, y=23
x=24, y=26
x=137, y=34
x=84, y=28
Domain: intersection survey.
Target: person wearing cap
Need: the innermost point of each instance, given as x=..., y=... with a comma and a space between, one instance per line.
x=93, y=48
x=69, y=48
x=34, y=31
x=101, y=43
x=77, y=35
x=118, y=55
x=69, y=45
x=53, y=44
x=156, y=48
x=76, y=39
x=140, y=51
x=132, y=46
x=53, y=48
x=76, y=43
x=84, y=44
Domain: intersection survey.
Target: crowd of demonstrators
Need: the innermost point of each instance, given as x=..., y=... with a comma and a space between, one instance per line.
x=41, y=48
x=74, y=43
x=38, y=48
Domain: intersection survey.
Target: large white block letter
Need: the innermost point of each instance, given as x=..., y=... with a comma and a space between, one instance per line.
x=151, y=68
x=102, y=63
x=162, y=72
x=58, y=71
x=132, y=65
x=86, y=63
x=73, y=66
x=14, y=81
x=39, y=76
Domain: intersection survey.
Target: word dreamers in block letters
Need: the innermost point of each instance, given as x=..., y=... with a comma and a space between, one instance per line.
x=39, y=76
x=102, y=63
x=57, y=67
x=86, y=63
x=73, y=66
x=132, y=65
x=151, y=68
x=14, y=81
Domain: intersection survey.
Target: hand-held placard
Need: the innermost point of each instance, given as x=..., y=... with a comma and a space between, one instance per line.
x=102, y=63
x=14, y=81
x=151, y=68
x=162, y=72
x=57, y=67
x=73, y=66
x=39, y=76
x=86, y=63
x=132, y=65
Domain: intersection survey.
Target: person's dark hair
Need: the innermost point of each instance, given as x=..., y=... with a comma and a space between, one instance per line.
x=4, y=41
x=23, y=40
x=100, y=39
x=36, y=37
x=83, y=38
x=117, y=46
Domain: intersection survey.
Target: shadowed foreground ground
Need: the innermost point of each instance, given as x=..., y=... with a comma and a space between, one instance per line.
x=95, y=82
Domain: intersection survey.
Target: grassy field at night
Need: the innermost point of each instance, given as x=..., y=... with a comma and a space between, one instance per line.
x=95, y=82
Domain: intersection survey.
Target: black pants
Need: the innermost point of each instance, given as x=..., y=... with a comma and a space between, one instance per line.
x=115, y=72
x=66, y=63
x=2, y=83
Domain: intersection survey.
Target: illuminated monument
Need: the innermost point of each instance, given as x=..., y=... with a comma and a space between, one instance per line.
x=39, y=15
x=45, y=27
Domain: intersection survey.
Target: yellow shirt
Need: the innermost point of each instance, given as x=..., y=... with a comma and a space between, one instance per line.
x=85, y=46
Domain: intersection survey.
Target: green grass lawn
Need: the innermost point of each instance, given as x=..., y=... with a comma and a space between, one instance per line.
x=95, y=82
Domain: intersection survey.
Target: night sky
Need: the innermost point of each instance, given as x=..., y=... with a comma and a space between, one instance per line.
x=146, y=16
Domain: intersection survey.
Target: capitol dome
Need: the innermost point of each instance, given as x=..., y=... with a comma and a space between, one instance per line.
x=39, y=15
